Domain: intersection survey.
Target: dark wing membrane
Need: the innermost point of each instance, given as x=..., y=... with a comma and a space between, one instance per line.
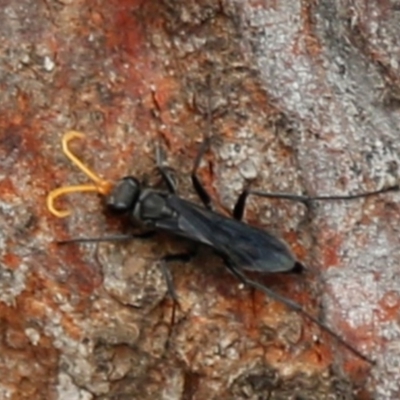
x=242, y=245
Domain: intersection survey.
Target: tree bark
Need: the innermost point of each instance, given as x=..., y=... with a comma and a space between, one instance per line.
x=304, y=98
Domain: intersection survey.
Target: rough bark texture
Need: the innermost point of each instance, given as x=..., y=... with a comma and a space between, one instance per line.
x=306, y=99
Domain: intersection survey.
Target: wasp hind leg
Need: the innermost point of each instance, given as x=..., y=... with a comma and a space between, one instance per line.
x=295, y=307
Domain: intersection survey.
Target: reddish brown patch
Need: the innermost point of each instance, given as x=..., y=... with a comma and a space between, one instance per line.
x=82, y=276
x=12, y=261
x=126, y=22
x=299, y=250
x=357, y=369
x=37, y=363
x=311, y=41
x=329, y=251
x=6, y=188
x=389, y=306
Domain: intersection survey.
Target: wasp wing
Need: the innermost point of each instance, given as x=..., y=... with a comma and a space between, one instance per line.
x=244, y=246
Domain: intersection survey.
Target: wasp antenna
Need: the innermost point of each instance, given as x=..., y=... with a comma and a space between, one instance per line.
x=100, y=185
x=54, y=194
x=70, y=135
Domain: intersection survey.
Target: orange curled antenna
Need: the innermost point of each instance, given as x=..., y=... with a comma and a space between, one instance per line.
x=99, y=186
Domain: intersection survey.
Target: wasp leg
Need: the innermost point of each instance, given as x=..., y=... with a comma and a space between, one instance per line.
x=296, y=307
x=163, y=170
x=239, y=208
x=183, y=257
x=198, y=186
x=111, y=238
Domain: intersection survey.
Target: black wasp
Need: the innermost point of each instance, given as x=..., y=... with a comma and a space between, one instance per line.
x=241, y=246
